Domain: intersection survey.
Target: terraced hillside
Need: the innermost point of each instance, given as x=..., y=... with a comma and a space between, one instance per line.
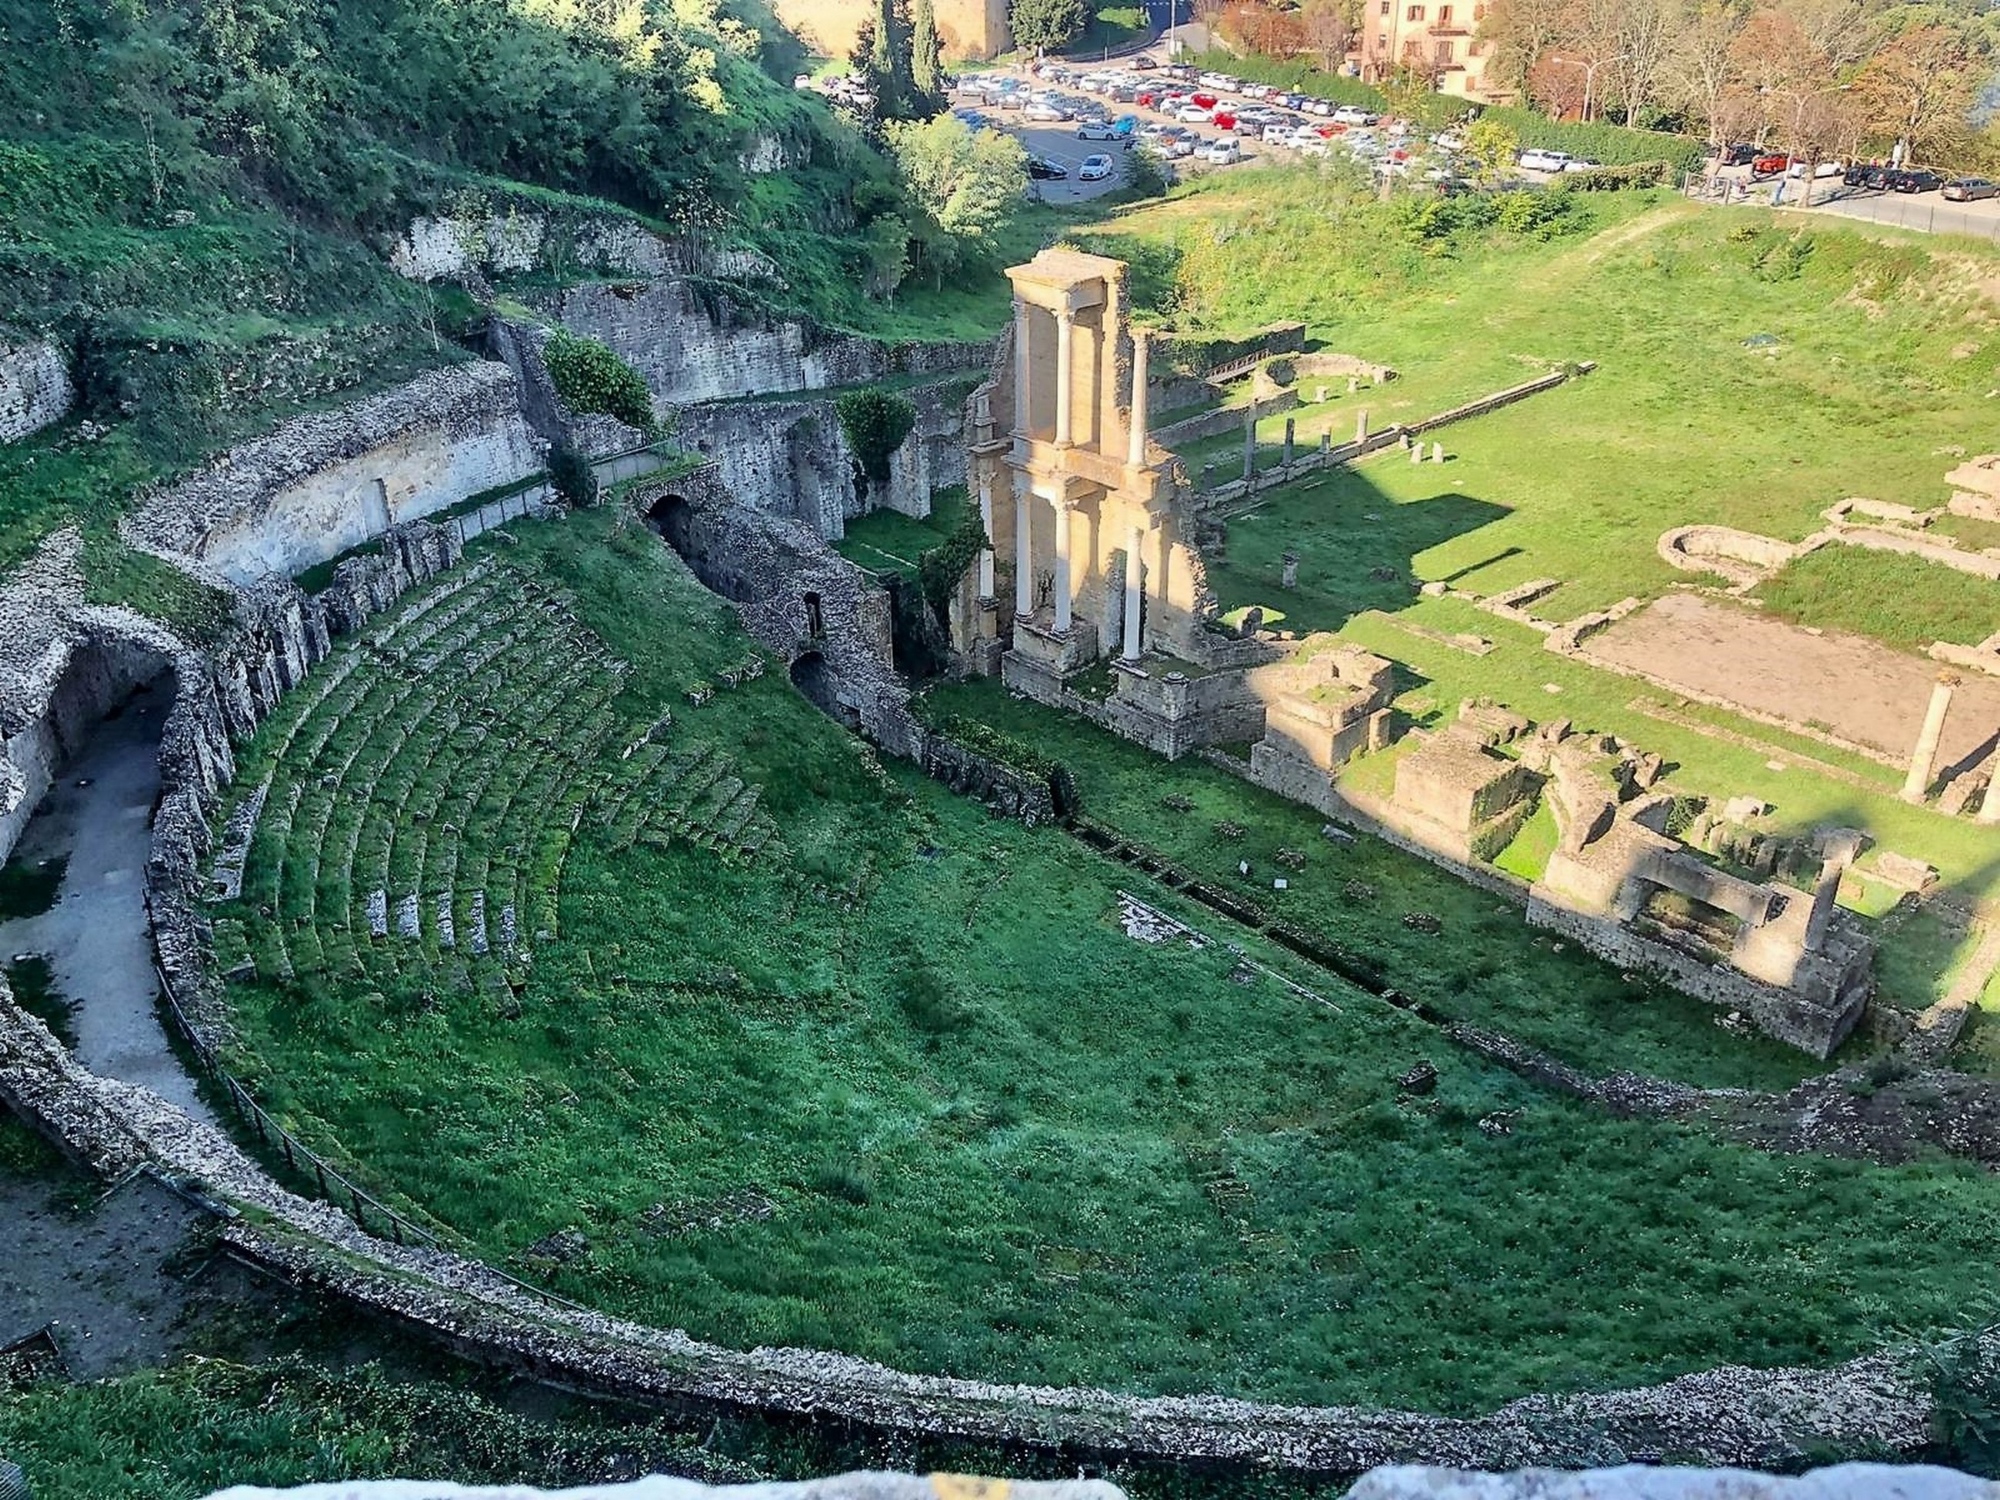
x=415, y=804
x=787, y=1045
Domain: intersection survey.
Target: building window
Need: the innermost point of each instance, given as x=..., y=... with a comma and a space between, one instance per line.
x=1444, y=15
x=1444, y=54
x=1414, y=13
x=1385, y=7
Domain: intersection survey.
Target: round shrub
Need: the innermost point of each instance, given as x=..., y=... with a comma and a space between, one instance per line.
x=590, y=377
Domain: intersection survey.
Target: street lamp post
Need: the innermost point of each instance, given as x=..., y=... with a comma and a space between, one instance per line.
x=1589, y=77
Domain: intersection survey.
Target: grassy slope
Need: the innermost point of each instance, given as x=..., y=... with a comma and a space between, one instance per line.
x=1004, y=1139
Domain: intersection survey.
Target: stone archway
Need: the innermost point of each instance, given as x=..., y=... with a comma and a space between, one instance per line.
x=814, y=679
x=673, y=518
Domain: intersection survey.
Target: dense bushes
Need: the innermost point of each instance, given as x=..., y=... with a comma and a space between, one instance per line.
x=592, y=378
x=875, y=423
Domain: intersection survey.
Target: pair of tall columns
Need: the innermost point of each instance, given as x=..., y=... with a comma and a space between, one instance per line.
x=1064, y=602
x=1023, y=411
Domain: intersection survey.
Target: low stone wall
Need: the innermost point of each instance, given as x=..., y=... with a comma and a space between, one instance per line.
x=695, y=341
x=35, y=388
x=324, y=484
x=1210, y=424
x=1810, y=1028
x=1004, y=790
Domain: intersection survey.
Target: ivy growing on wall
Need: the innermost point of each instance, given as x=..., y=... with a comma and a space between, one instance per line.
x=591, y=377
x=875, y=422
x=940, y=568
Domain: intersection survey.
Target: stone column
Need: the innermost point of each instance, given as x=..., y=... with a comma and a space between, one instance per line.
x=1062, y=374
x=1024, y=547
x=1925, y=756
x=1840, y=853
x=986, y=530
x=1291, y=426
x=1023, y=413
x=1989, y=802
x=1136, y=452
x=1062, y=621
x=1250, y=441
x=1135, y=591
x=1361, y=426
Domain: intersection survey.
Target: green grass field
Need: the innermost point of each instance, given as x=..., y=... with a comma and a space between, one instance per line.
x=910, y=1092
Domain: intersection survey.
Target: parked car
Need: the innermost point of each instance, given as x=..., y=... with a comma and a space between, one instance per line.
x=1096, y=167
x=1578, y=164
x=1222, y=153
x=1143, y=64
x=1820, y=169
x=1310, y=146
x=1321, y=107
x=1096, y=130
x=1193, y=114
x=1353, y=114
x=1177, y=147
x=1915, y=180
x=1770, y=164
x=1738, y=155
x=1971, y=189
x=1044, y=170
x=1536, y=159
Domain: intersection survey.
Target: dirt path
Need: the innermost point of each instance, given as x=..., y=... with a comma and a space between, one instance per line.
x=96, y=937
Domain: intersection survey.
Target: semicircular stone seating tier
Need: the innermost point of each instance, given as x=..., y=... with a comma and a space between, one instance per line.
x=415, y=800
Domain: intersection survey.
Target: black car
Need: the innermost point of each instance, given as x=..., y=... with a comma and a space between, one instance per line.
x=1738, y=155
x=1046, y=171
x=1915, y=180
x=1856, y=174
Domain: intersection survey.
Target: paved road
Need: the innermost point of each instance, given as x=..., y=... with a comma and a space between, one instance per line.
x=96, y=937
x=1927, y=212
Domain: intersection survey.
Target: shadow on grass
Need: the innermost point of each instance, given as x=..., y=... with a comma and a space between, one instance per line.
x=1357, y=549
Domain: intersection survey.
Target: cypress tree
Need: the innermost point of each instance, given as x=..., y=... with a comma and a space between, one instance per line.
x=926, y=51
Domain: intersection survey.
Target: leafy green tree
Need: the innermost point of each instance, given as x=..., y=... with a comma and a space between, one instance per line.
x=967, y=185
x=1046, y=25
x=1490, y=149
x=875, y=422
x=591, y=377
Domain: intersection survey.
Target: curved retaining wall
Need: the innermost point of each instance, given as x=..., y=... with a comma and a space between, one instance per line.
x=1728, y=1415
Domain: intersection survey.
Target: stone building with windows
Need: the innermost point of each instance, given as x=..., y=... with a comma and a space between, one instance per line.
x=1436, y=38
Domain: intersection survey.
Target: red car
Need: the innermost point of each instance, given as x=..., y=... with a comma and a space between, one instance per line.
x=1765, y=166
x=1203, y=101
x=1222, y=120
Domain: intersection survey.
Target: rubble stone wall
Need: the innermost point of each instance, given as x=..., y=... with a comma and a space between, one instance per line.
x=695, y=341
x=511, y=243
x=326, y=483
x=35, y=387
x=791, y=458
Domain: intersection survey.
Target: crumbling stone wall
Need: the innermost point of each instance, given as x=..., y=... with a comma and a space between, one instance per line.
x=796, y=595
x=325, y=483
x=35, y=387
x=516, y=241
x=696, y=341
x=792, y=457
